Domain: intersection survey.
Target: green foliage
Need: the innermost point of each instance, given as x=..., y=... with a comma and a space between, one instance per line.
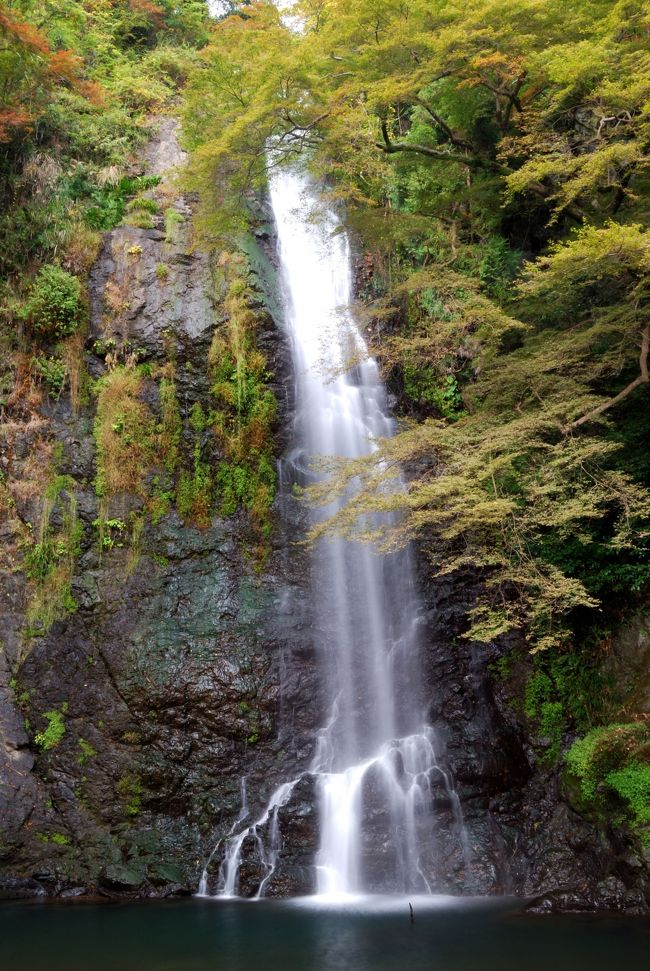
x=173, y=221
x=50, y=562
x=611, y=765
x=195, y=489
x=498, y=267
x=59, y=839
x=171, y=425
x=54, y=731
x=77, y=82
x=124, y=435
x=632, y=786
x=247, y=409
x=241, y=485
x=53, y=307
x=549, y=715
x=424, y=386
x=538, y=688
x=194, y=495
x=86, y=752
x=110, y=532
x=107, y=205
x=52, y=370
x=131, y=790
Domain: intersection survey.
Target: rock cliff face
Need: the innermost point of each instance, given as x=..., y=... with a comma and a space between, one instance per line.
x=126, y=729
x=174, y=677
x=526, y=837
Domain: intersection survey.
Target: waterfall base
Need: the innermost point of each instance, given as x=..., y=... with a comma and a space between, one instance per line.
x=375, y=828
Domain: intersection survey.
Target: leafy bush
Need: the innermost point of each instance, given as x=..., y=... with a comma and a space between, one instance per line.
x=423, y=385
x=52, y=370
x=108, y=203
x=173, y=64
x=632, y=785
x=53, y=306
x=612, y=767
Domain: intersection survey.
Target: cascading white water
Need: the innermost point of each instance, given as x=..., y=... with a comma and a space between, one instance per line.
x=374, y=757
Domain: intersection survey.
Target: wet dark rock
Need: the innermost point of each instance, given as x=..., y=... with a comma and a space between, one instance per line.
x=17, y=888
x=524, y=837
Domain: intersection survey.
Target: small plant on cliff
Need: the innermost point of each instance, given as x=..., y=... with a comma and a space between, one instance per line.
x=52, y=371
x=53, y=306
x=52, y=734
x=173, y=220
x=124, y=431
x=247, y=409
x=109, y=532
x=86, y=753
x=130, y=789
x=611, y=765
x=194, y=494
x=50, y=562
x=170, y=428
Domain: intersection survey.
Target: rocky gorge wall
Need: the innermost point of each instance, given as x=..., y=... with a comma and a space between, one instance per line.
x=172, y=678
x=127, y=726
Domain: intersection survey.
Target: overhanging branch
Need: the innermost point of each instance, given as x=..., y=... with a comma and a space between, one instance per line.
x=632, y=386
x=469, y=161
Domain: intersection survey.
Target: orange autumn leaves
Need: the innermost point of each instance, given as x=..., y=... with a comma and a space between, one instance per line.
x=30, y=69
x=150, y=10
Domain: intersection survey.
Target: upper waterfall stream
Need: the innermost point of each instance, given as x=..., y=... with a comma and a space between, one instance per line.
x=375, y=758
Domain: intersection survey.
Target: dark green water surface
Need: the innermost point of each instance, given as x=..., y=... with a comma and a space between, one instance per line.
x=203, y=935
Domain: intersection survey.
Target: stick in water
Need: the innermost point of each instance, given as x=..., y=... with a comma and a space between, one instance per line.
x=412, y=915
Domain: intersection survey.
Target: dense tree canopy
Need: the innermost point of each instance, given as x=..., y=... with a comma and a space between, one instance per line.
x=493, y=158
x=76, y=79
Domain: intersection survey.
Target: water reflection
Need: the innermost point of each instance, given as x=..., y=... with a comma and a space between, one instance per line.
x=366, y=934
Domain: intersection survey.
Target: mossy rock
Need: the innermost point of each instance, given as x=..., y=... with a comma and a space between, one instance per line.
x=124, y=875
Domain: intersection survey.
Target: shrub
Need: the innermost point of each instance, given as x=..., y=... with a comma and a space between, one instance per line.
x=81, y=247
x=53, y=306
x=52, y=371
x=611, y=766
x=632, y=785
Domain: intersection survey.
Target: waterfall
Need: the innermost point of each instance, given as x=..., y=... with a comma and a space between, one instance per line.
x=375, y=758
